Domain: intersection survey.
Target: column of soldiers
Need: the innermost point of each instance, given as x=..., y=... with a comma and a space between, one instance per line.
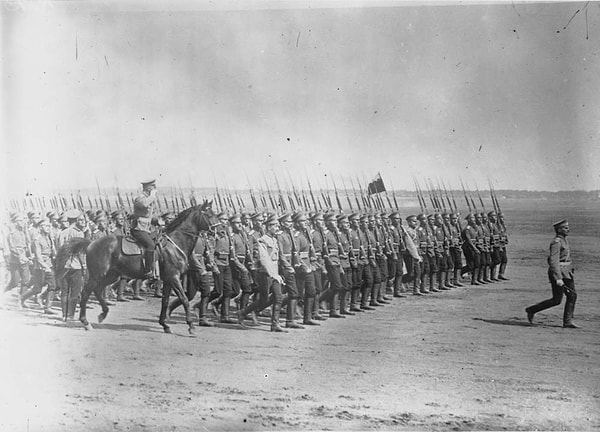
x=314, y=266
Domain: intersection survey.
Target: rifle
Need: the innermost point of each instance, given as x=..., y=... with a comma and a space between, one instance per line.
x=252, y=197
x=279, y=193
x=294, y=189
x=465, y=194
x=479, y=195
x=418, y=195
x=273, y=205
x=99, y=193
x=366, y=200
x=347, y=196
x=312, y=196
x=355, y=195
x=337, y=197
x=218, y=195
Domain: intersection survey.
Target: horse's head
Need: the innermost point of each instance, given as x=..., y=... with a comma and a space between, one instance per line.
x=206, y=219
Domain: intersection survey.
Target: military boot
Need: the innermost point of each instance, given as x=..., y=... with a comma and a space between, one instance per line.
x=309, y=303
x=202, y=313
x=225, y=319
x=569, y=309
x=501, y=272
x=432, y=287
x=354, y=305
x=148, y=264
x=486, y=275
x=364, y=299
x=333, y=312
x=375, y=295
x=291, y=315
x=440, y=282
x=137, y=285
x=344, y=304
x=455, y=280
x=474, y=276
x=275, y=312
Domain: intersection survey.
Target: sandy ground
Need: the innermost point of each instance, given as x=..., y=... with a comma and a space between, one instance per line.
x=460, y=360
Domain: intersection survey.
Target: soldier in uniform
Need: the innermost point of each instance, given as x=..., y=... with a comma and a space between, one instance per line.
x=383, y=251
x=503, y=243
x=561, y=276
x=75, y=266
x=345, y=255
x=288, y=260
x=367, y=240
x=470, y=248
x=455, y=249
x=435, y=223
x=241, y=255
x=413, y=255
x=358, y=260
x=223, y=291
x=495, y=244
x=487, y=245
x=320, y=272
x=19, y=250
x=305, y=280
x=395, y=263
x=143, y=211
x=427, y=253
x=44, y=252
x=268, y=278
x=331, y=255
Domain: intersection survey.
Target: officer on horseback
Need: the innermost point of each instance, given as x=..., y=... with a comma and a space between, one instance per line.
x=143, y=211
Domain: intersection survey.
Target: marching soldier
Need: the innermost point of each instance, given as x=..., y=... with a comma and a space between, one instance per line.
x=487, y=244
x=287, y=269
x=331, y=255
x=268, y=278
x=471, y=249
x=19, y=249
x=495, y=244
x=305, y=279
x=395, y=264
x=427, y=253
x=320, y=272
x=358, y=260
x=413, y=254
x=561, y=276
x=455, y=249
x=367, y=241
x=345, y=255
x=223, y=290
x=503, y=243
x=376, y=252
x=240, y=274
x=382, y=252
x=442, y=252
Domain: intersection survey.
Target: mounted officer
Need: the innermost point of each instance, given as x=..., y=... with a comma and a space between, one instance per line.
x=143, y=211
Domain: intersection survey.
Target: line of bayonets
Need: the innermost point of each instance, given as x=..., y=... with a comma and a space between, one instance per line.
x=267, y=198
x=442, y=198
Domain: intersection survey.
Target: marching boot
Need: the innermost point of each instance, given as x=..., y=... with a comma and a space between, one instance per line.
x=309, y=304
x=315, y=310
x=343, y=307
x=120, y=290
x=136, y=290
x=440, y=282
x=480, y=275
x=225, y=312
x=569, y=309
x=148, y=264
x=275, y=312
x=416, y=290
x=398, y=289
x=374, y=295
x=493, y=277
x=501, y=272
x=48, y=303
x=474, y=276
x=333, y=313
x=354, y=300
x=291, y=314
x=432, y=287
x=364, y=299
x=422, y=289
x=486, y=275
x=447, y=280
x=202, y=309
x=455, y=280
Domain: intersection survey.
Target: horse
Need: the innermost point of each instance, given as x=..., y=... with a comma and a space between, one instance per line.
x=106, y=262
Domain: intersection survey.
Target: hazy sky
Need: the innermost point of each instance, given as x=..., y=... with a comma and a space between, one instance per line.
x=115, y=90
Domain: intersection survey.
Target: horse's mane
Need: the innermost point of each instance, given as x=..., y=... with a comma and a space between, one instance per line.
x=183, y=216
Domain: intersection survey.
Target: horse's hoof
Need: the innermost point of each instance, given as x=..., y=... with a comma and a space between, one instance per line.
x=88, y=326
x=167, y=330
x=101, y=317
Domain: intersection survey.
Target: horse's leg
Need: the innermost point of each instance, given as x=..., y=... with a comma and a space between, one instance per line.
x=165, y=305
x=181, y=295
x=99, y=291
x=85, y=294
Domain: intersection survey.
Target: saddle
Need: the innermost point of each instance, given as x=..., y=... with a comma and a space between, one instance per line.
x=129, y=246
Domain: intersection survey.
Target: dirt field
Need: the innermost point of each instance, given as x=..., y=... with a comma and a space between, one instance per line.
x=461, y=360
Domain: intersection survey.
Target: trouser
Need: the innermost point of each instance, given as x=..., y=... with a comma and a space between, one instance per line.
x=395, y=273
x=70, y=290
x=320, y=279
x=223, y=284
x=457, y=263
x=503, y=261
x=41, y=278
x=269, y=292
x=19, y=274
x=335, y=286
x=357, y=281
x=382, y=263
x=367, y=284
x=241, y=283
x=147, y=242
x=557, y=294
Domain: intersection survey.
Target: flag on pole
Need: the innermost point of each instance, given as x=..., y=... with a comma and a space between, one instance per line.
x=376, y=185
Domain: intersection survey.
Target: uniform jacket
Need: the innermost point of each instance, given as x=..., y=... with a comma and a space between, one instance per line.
x=143, y=210
x=43, y=252
x=74, y=262
x=268, y=255
x=559, y=259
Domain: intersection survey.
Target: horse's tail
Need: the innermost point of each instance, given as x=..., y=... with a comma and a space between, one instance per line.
x=72, y=247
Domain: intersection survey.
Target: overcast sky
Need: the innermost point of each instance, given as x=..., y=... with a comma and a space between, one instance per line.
x=120, y=92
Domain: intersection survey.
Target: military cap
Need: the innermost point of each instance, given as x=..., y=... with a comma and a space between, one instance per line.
x=256, y=215
x=149, y=182
x=421, y=216
x=363, y=217
x=16, y=217
x=470, y=215
x=101, y=218
x=298, y=217
x=492, y=213
x=51, y=214
x=329, y=217
x=445, y=214
x=411, y=217
x=271, y=219
x=341, y=218
x=285, y=217
x=431, y=216
x=116, y=213
x=317, y=216
x=42, y=221
x=384, y=215
x=235, y=218
x=222, y=215
x=31, y=214
x=72, y=214
x=394, y=215
x=354, y=217
x=559, y=223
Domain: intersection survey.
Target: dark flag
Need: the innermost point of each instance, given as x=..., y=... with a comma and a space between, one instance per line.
x=376, y=185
